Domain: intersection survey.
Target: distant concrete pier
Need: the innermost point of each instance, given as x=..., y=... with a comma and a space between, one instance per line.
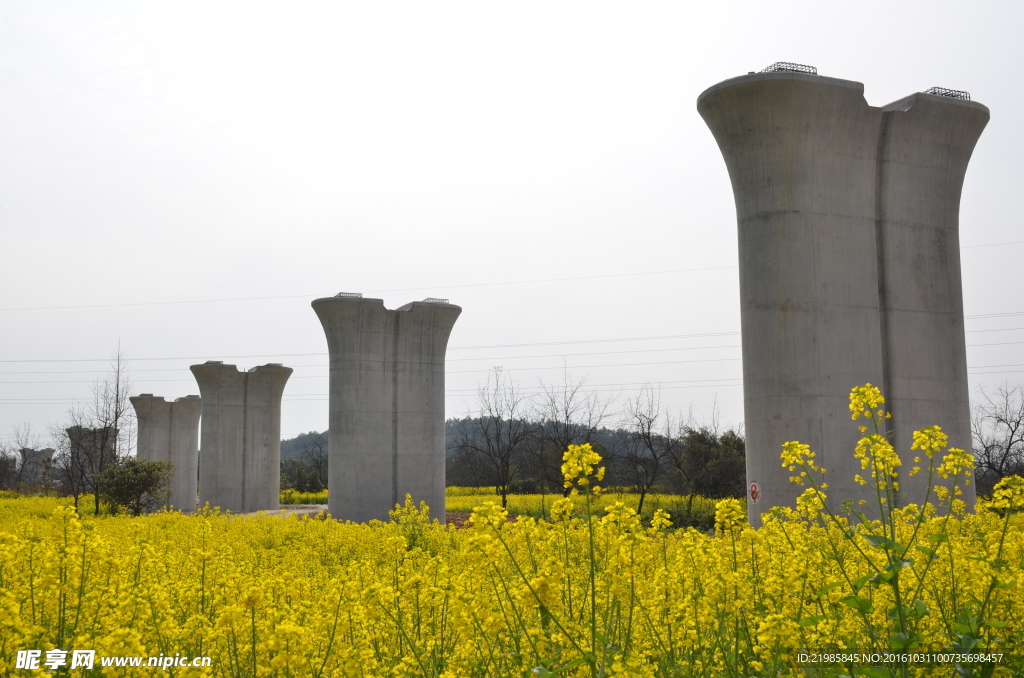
x=35, y=464
x=92, y=450
x=240, y=444
x=848, y=219
x=169, y=431
x=386, y=403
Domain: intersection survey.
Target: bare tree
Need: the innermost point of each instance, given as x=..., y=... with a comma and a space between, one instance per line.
x=644, y=449
x=315, y=451
x=499, y=438
x=68, y=470
x=567, y=414
x=97, y=434
x=997, y=427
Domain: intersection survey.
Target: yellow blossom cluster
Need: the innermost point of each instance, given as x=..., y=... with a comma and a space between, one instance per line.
x=287, y=596
x=466, y=499
x=864, y=399
x=587, y=593
x=578, y=468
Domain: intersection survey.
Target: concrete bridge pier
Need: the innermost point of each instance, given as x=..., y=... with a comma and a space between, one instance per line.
x=386, y=403
x=169, y=431
x=240, y=443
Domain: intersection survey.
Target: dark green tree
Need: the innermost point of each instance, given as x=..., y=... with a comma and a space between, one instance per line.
x=136, y=485
x=712, y=464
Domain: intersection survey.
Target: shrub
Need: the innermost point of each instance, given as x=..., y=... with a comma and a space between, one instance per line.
x=136, y=485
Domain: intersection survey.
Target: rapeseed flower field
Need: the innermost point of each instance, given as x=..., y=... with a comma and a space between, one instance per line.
x=590, y=592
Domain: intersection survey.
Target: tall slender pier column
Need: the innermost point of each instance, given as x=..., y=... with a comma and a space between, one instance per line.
x=800, y=150
x=169, y=431
x=849, y=265
x=386, y=403
x=240, y=443
x=925, y=144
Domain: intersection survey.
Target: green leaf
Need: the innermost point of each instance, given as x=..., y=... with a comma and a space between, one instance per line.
x=883, y=577
x=825, y=589
x=899, y=641
x=811, y=621
x=564, y=669
x=920, y=609
x=862, y=605
x=880, y=541
x=859, y=582
x=927, y=551
x=1005, y=585
x=994, y=624
x=940, y=537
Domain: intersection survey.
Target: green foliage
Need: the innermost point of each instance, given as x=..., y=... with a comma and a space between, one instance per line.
x=136, y=485
x=413, y=521
x=292, y=497
x=713, y=464
x=300, y=476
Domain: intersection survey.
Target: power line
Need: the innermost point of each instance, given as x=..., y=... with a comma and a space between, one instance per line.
x=511, y=369
x=451, y=348
x=289, y=355
x=993, y=315
x=400, y=289
x=999, y=329
x=572, y=355
x=419, y=289
x=597, y=341
x=993, y=244
x=488, y=358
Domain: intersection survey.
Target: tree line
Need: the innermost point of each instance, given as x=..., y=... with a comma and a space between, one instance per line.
x=515, y=443
x=516, y=440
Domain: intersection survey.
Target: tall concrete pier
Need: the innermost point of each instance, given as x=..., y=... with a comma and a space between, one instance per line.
x=925, y=144
x=169, y=431
x=240, y=444
x=386, y=403
x=35, y=464
x=848, y=219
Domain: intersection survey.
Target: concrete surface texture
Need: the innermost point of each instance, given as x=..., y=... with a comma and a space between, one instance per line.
x=35, y=464
x=386, y=404
x=169, y=431
x=924, y=147
x=847, y=219
x=240, y=441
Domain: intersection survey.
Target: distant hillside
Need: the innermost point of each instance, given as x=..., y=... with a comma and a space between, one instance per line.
x=292, y=448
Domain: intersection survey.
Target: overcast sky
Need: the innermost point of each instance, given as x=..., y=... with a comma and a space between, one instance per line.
x=183, y=178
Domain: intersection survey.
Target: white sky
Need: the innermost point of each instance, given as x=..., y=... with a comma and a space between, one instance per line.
x=185, y=177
